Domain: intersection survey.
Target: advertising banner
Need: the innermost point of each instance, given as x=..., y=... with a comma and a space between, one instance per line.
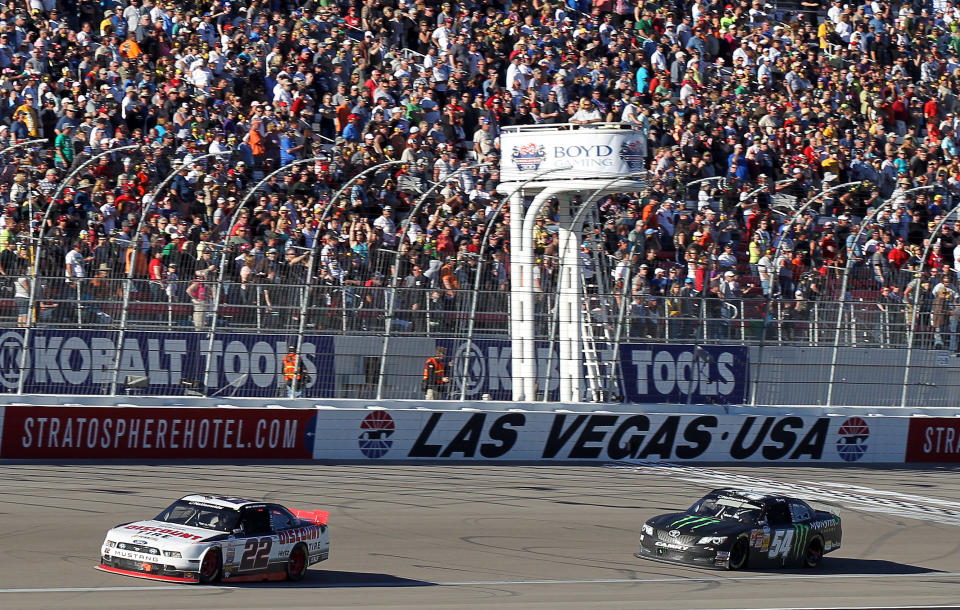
x=537, y=436
x=708, y=374
x=420, y=435
x=934, y=439
x=31, y=432
x=587, y=152
x=83, y=362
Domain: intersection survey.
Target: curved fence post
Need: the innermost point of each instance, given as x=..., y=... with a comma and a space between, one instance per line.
x=315, y=248
x=476, y=276
x=391, y=306
x=687, y=186
x=38, y=254
x=218, y=288
x=565, y=270
x=769, y=296
x=834, y=355
x=135, y=250
x=911, y=329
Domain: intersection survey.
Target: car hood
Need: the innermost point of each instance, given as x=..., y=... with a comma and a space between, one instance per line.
x=691, y=525
x=165, y=536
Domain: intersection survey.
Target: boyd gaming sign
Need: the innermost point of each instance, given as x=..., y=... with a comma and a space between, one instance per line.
x=586, y=152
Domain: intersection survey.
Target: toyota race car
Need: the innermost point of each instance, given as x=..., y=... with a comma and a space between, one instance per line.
x=203, y=539
x=736, y=529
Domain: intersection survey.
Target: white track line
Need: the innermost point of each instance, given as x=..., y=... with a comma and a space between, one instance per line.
x=498, y=583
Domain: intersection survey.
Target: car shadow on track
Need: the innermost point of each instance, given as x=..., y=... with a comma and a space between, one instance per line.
x=852, y=565
x=332, y=579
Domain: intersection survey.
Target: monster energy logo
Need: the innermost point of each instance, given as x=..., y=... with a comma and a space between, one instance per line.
x=694, y=522
x=800, y=538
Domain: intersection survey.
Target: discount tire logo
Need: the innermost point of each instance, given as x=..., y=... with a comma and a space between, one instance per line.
x=852, y=439
x=375, y=432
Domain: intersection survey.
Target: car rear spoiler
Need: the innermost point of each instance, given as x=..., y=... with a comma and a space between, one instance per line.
x=314, y=516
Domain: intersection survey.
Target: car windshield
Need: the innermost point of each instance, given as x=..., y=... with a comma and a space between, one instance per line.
x=728, y=508
x=198, y=514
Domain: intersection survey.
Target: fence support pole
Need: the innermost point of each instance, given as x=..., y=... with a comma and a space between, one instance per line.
x=392, y=295
x=776, y=278
x=134, y=251
x=844, y=282
x=513, y=197
x=28, y=332
x=916, y=303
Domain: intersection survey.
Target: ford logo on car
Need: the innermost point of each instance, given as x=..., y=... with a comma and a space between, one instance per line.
x=140, y=542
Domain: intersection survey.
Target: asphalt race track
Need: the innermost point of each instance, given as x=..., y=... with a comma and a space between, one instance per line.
x=482, y=536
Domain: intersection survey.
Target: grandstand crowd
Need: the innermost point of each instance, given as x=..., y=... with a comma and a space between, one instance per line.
x=774, y=104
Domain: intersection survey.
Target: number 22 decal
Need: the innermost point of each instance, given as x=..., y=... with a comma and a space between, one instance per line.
x=256, y=554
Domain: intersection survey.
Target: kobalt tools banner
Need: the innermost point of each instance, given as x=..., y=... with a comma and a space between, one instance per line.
x=714, y=374
x=156, y=433
x=535, y=436
x=485, y=366
x=83, y=362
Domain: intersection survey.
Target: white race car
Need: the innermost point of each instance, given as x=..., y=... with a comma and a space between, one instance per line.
x=204, y=539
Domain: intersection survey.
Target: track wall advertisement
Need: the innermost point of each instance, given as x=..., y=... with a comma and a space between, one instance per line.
x=83, y=362
x=156, y=433
x=934, y=439
x=30, y=432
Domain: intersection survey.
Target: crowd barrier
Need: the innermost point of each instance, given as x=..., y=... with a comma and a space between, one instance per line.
x=98, y=363
x=515, y=435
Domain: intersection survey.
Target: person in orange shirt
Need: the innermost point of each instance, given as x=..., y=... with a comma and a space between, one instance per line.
x=129, y=47
x=294, y=373
x=435, y=380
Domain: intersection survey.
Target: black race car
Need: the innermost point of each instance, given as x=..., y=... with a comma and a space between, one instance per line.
x=736, y=529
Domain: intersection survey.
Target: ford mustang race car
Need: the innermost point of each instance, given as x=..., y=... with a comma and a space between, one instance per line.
x=736, y=529
x=203, y=539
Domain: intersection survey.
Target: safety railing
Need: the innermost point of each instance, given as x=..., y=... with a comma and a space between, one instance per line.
x=76, y=332
x=809, y=319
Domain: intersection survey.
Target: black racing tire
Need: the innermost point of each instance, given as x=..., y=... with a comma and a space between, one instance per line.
x=739, y=554
x=211, y=567
x=297, y=563
x=813, y=554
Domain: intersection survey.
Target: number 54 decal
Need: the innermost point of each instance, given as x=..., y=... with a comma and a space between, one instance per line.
x=780, y=543
x=256, y=554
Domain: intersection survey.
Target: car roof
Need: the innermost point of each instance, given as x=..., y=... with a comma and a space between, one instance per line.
x=750, y=495
x=221, y=501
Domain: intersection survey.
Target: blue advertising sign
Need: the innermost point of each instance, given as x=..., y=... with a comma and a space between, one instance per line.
x=670, y=373
x=489, y=369
x=83, y=362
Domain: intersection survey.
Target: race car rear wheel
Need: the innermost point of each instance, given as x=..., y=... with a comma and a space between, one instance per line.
x=297, y=563
x=739, y=554
x=813, y=554
x=210, y=566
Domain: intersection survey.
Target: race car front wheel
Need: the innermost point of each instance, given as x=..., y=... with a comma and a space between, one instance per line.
x=210, y=566
x=739, y=554
x=813, y=554
x=297, y=563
